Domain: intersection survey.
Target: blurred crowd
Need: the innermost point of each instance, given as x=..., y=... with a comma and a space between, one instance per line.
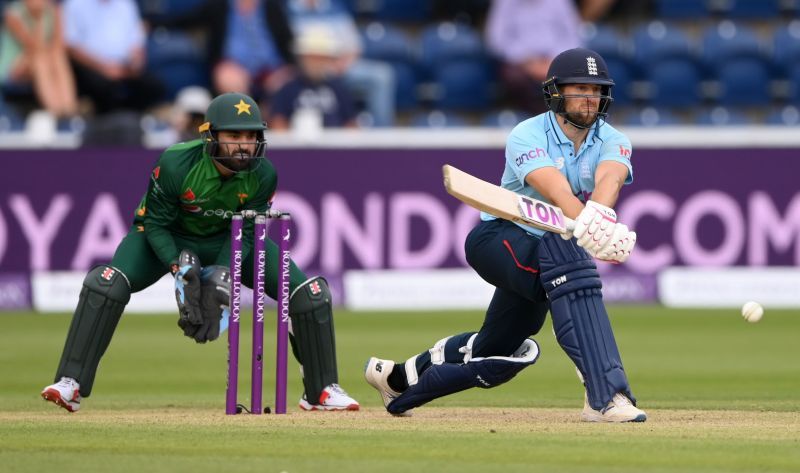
x=98, y=66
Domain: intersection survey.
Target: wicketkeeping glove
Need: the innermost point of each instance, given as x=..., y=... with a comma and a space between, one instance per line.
x=216, y=289
x=187, y=288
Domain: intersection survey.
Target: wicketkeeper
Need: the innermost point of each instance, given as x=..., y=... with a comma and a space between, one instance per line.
x=182, y=226
x=570, y=157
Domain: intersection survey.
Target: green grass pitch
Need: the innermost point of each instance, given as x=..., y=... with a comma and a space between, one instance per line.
x=723, y=395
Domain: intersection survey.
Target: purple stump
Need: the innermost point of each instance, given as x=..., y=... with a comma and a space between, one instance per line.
x=283, y=315
x=259, y=270
x=233, y=324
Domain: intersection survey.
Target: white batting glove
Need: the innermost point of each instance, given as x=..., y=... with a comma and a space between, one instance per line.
x=594, y=226
x=619, y=247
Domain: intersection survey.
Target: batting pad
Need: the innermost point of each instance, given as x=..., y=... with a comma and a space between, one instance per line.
x=448, y=378
x=580, y=320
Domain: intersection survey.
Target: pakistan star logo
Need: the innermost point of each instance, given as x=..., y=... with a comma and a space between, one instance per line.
x=242, y=107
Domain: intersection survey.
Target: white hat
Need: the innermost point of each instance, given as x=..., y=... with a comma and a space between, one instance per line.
x=317, y=39
x=193, y=99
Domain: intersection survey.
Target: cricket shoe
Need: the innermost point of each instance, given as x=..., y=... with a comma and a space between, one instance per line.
x=333, y=398
x=620, y=409
x=65, y=393
x=377, y=373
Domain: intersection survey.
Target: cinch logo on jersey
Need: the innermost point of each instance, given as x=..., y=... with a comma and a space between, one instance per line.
x=624, y=152
x=532, y=154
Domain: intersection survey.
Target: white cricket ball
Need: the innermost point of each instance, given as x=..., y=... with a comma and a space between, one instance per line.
x=752, y=311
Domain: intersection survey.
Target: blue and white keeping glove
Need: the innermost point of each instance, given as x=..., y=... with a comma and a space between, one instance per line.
x=187, y=289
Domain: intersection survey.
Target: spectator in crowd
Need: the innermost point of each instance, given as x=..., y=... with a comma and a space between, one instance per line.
x=189, y=112
x=249, y=43
x=472, y=12
x=372, y=82
x=32, y=52
x=597, y=10
x=525, y=35
x=106, y=42
x=317, y=88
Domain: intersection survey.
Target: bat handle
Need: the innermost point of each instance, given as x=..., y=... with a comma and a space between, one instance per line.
x=569, y=223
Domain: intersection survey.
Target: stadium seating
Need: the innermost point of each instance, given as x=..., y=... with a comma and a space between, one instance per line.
x=396, y=10
x=437, y=119
x=504, y=118
x=747, y=9
x=786, y=116
x=722, y=116
x=175, y=59
x=649, y=117
x=681, y=9
x=786, y=58
x=733, y=56
x=667, y=62
x=390, y=44
x=454, y=58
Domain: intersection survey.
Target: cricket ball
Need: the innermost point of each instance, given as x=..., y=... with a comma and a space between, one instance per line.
x=752, y=311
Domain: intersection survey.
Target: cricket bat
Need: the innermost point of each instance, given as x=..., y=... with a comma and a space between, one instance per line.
x=503, y=203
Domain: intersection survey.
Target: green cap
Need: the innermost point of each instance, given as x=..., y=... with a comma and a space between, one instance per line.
x=233, y=111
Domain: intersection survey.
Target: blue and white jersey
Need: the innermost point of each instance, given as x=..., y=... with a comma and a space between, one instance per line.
x=538, y=142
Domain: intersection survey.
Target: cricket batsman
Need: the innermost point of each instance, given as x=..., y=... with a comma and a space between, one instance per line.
x=571, y=158
x=182, y=226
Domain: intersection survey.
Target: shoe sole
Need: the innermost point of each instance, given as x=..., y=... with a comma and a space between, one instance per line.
x=54, y=396
x=599, y=418
x=310, y=407
x=376, y=383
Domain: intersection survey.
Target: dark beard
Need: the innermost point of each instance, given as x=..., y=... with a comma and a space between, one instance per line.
x=578, y=118
x=237, y=161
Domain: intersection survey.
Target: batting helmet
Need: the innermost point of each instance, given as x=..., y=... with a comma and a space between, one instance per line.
x=232, y=112
x=577, y=66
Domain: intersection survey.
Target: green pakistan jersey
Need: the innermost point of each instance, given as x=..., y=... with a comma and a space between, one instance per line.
x=188, y=198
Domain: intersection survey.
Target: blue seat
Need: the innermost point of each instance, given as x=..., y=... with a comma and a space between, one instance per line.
x=463, y=85
x=744, y=82
x=668, y=65
x=387, y=43
x=504, y=118
x=649, y=117
x=167, y=8
x=437, y=119
x=722, y=116
x=674, y=82
x=734, y=57
x=728, y=40
x=681, y=9
x=454, y=58
x=657, y=40
x=448, y=41
x=10, y=119
x=606, y=40
x=786, y=116
x=749, y=8
x=402, y=10
x=786, y=47
x=174, y=58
